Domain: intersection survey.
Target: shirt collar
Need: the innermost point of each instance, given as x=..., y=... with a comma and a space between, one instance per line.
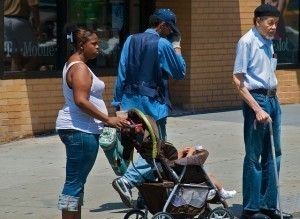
x=261, y=41
x=151, y=31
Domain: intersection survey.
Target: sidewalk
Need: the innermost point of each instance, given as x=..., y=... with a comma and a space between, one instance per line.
x=32, y=170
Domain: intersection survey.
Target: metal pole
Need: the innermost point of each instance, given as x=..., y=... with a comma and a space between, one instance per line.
x=274, y=161
x=275, y=166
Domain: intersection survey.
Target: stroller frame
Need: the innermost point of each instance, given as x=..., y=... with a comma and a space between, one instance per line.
x=177, y=179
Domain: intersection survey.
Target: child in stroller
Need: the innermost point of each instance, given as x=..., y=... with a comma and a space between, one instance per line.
x=182, y=184
x=226, y=194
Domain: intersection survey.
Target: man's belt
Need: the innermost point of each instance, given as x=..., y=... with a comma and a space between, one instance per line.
x=270, y=93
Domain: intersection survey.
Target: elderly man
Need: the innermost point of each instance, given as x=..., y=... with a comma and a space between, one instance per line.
x=255, y=80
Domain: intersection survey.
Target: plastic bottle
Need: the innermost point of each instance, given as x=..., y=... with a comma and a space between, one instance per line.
x=198, y=148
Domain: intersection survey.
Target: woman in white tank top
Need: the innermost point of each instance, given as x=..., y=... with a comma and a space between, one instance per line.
x=81, y=120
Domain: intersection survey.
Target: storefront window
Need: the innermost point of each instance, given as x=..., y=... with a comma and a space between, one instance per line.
x=107, y=18
x=286, y=41
x=35, y=45
x=30, y=35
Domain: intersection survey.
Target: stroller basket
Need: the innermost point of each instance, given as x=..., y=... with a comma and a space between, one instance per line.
x=186, y=200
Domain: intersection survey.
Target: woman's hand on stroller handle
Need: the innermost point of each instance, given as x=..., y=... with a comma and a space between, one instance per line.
x=130, y=126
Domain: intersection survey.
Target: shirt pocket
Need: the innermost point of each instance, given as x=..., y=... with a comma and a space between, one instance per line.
x=273, y=64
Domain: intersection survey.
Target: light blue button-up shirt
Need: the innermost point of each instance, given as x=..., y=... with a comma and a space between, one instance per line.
x=254, y=58
x=169, y=61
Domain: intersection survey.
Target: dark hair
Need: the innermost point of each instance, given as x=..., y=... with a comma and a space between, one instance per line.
x=261, y=18
x=77, y=34
x=154, y=21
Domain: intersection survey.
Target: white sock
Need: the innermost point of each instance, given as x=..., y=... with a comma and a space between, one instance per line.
x=227, y=194
x=222, y=191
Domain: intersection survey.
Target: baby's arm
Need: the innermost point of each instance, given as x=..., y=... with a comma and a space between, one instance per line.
x=183, y=152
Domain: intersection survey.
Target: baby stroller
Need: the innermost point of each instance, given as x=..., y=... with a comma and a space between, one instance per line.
x=182, y=185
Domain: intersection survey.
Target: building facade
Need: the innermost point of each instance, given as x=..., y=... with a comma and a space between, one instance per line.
x=30, y=99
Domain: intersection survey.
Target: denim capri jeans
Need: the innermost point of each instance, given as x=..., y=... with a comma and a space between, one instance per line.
x=81, y=150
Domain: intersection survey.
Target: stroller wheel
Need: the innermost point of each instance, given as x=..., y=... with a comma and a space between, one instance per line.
x=135, y=214
x=162, y=215
x=220, y=213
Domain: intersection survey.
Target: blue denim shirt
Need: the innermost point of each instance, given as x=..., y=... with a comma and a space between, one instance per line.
x=169, y=61
x=254, y=58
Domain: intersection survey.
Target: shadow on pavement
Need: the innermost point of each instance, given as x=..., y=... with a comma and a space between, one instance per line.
x=111, y=206
x=237, y=210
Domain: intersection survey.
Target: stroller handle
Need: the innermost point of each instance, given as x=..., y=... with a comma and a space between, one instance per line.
x=151, y=132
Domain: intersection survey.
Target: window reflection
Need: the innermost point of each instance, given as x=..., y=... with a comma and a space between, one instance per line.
x=291, y=18
x=29, y=35
x=107, y=19
x=48, y=41
x=286, y=41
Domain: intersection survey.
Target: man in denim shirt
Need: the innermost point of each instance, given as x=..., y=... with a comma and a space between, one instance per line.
x=147, y=61
x=255, y=80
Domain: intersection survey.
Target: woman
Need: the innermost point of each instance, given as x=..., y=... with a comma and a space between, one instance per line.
x=81, y=121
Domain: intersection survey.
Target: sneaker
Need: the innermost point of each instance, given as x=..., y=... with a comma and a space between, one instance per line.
x=228, y=194
x=211, y=194
x=124, y=189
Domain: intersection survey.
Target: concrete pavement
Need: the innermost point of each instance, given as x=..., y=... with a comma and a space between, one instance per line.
x=32, y=170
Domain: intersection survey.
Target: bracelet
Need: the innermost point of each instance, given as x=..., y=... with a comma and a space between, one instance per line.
x=177, y=47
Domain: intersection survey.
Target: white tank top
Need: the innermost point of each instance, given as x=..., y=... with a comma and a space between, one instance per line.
x=72, y=117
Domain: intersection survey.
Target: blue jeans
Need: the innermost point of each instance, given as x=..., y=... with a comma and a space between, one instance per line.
x=141, y=165
x=259, y=183
x=81, y=149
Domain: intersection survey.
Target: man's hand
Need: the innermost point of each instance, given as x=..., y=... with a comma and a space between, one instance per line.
x=262, y=116
x=175, y=40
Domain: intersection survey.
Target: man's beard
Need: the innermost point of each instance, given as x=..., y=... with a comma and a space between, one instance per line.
x=270, y=37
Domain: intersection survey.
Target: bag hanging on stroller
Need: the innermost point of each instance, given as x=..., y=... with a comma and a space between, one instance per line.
x=110, y=142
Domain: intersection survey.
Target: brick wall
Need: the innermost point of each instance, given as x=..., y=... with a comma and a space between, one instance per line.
x=29, y=107
x=288, y=86
x=210, y=31
x=181, y=90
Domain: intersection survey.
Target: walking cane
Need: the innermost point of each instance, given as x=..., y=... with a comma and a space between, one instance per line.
x=274, y=161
